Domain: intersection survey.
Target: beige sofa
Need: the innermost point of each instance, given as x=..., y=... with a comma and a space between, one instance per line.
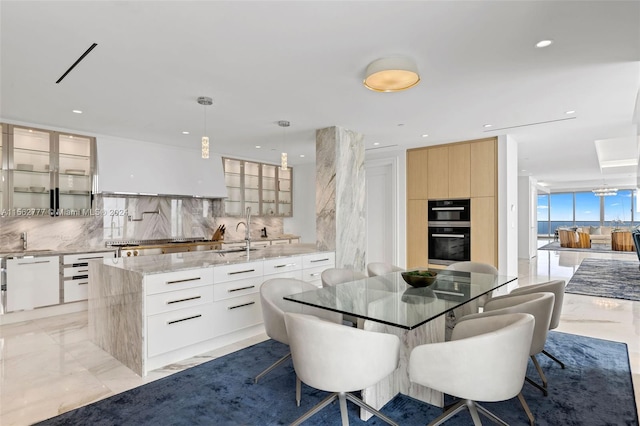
x=598, y=234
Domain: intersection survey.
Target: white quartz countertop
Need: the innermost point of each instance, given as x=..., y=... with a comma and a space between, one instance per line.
x=57, y=252
x=194, y=260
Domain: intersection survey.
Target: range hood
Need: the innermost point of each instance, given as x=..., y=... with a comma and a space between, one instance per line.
x=135, y=167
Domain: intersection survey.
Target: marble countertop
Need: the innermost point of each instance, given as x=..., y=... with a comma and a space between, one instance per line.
x=162, y=263
x=274, y=238
x=58, y=252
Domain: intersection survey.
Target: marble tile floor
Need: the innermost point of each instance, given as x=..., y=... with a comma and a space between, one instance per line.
x=48, y=366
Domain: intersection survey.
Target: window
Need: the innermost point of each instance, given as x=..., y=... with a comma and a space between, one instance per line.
x=543, y=215
x=618, y=209
x=587, y=212
x=560, y=210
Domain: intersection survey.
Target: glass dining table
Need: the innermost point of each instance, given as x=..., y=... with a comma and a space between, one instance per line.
x=386, y=303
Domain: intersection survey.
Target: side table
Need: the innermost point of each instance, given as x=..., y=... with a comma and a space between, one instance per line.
x=621, y=241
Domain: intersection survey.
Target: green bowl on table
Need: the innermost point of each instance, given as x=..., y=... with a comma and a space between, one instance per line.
x=419, y=278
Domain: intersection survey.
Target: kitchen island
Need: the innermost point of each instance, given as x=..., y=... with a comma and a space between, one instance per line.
x=150, y=311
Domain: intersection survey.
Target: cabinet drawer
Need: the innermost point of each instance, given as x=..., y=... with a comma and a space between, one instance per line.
x=319, y=259
x=260, y=244
x=233, y=245
x=278, y=242
x=313, y=274
x=235, y=288
x=76, y=271
x=173, y=300
x=177, y=329
x=237, y=313
x=70, y=259
x=75, y=290
x=237, y=272
x=284, y=264
x=178, y=280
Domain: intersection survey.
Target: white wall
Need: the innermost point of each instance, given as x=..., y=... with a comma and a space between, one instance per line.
x=527, y=217
x=303, y=222
x=507, y=205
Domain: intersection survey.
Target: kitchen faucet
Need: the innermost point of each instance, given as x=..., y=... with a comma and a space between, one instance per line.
x=247, y=227
x=23, y=238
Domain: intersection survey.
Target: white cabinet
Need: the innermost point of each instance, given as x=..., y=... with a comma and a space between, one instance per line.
x=260, y=244
x=32, y=282
x=126, y=166
x=75, y=274
x=314, y=264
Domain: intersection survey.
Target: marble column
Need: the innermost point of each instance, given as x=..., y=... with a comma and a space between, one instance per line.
x=340, y=196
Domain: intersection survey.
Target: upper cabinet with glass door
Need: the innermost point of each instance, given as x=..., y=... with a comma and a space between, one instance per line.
x=263, y=187
x=3, y=168
x=49, y=172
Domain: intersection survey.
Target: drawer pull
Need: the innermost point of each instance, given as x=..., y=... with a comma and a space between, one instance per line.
x=79, y=277
x=240, y=272
x=319, y=260
x=83, y=270
x=33, y=263
x=315, y=274
x=89, y=258
x=241, y=288
x=183, y=300
x=184, y=280
x=84, y=283
x=284, y=266
x=240, y=306
x=184, y=319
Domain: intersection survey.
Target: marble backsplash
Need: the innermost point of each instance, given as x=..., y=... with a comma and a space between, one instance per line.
x=122, y=218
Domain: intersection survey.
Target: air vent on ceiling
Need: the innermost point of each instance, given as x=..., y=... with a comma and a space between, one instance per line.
x=77, y=62
x=531, y=124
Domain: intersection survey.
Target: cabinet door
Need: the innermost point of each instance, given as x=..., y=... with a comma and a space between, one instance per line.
x=74, y=177
x=3, y=167
x=417, y=237
x=33, y=282
x=484, y=230
x=483, y=168
x=459, y=171
x=417, y=165
x=285, y=187
x=438, y=172
x=251, y=186
x=268, y=205
x=233, y=181
x=32, y=167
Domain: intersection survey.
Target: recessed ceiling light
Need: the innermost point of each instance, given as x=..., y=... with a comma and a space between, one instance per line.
x=376, y=143
x=570, y=112
x=301, y=155
x=258, y=146
x=425, y=136
x=544, y=43
x=185, y=133
x=77, y=111
x=487, y=125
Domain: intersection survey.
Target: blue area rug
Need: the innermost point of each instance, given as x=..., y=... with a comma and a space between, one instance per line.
x=617, y=279
x=594, y=389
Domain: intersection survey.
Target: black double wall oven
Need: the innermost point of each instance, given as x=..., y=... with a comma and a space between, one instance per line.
x=449, y=231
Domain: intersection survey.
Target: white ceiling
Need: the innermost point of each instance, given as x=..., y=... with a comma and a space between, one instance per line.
x=303, y=61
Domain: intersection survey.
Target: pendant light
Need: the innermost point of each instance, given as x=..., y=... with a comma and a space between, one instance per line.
x=205, y=101
x=283, y=157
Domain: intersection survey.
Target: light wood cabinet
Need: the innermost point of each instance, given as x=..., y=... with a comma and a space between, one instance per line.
x=438, y=172
x=483, y=168
x=417, y=162
x=417, y=236
x=484, y=234
x=459, y=170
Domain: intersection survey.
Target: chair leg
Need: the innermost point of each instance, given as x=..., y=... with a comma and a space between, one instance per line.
x=526, y=409
x=298, y=390
x=474, y=413
x=543, y=388
x=274, y=365
x=328, y=400
x=344, y=414
x=362, y=404
x=554, y=358
x=490, y=415
x=455, y=409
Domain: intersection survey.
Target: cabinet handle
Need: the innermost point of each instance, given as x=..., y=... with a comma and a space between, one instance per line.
x=283, y=266
x=447, y=209
x=315, y=274
x=184, y=280
x=240, y=272
x=184, y=319
x=83, y=270
x=447, y=235
x=319, y=260
x=79, y=277
x=84, y=283
x=89, y=258
x=241, y=288
x=240, y=306
x=33, y=263
x=183, y=300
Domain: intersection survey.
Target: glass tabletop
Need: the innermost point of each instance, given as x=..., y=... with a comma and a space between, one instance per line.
x=388, y=299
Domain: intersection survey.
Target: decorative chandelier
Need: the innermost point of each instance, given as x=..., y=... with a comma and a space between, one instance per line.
x=205, y=101
x=604, y=191
x=283, y=157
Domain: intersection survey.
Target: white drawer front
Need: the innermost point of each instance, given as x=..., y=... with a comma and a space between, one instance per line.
x=260, y=244
x=236, y=288
x=240, y=271
x=75, y=290
x=237, y=313
x=320, y=259
x=233, y=245
x=171, y=281
x=76, y=271
x=278, y=242
x=70, y=259
x=313, y=274
x=177, y=329
x=284, y=264
x=173, y=300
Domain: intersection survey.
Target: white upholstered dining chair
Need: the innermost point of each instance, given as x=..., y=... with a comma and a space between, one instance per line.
x=334, y=276
x=380, y=268
x=318, y=349
x=485, y=361
x=274, y=306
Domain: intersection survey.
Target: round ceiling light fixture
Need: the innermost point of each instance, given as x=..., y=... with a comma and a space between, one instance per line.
x=391, y=74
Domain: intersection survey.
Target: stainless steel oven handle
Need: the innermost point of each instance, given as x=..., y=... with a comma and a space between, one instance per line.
x=447, y=209
x=448, y=235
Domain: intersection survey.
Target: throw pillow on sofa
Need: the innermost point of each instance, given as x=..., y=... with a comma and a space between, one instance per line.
x=595, y=230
